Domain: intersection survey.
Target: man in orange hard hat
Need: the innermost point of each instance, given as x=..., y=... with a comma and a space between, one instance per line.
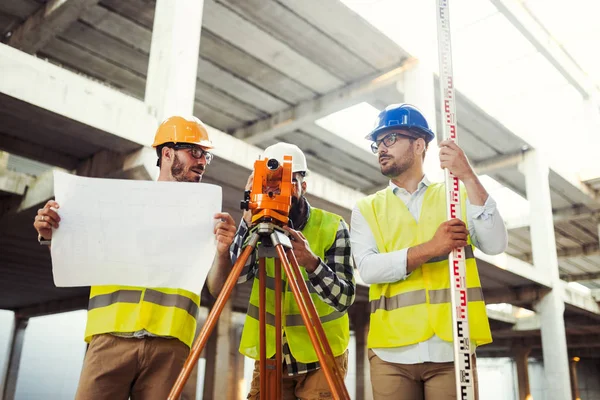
x=139, y=338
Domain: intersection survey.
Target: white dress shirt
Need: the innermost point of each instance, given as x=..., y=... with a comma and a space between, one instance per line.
x=487, y=232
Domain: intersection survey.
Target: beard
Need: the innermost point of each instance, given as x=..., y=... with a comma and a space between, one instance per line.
x=181, y=173
x=393, y=167
x=296, y=211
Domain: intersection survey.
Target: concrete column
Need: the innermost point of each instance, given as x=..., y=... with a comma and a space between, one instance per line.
x=14, y=360
x=591, y=126
x=521, y=355
x=360, y=321
x=173, y=65
x=219, y=372
x=419, y=90
x=238, y=388
x=551, y=307
x=574, y=382
x=189, y=390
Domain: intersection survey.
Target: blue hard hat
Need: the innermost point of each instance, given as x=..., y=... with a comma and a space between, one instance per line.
x=401, y=116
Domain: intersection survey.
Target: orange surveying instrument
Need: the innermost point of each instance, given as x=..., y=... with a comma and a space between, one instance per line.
x=270, y=201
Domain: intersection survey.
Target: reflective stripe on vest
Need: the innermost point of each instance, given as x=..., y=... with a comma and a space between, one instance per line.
x=152, y=296
x=412, y=310
x=291, y=320
x=160, y=311
x=420, y=297
x=120, y=296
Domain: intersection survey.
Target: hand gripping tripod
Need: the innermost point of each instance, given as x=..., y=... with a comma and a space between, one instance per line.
x=271, y=242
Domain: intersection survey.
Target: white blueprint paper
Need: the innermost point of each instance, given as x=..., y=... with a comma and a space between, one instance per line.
x=134, y=233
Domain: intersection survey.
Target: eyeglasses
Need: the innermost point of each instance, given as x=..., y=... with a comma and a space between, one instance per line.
x=196, y=151
x=388, y=140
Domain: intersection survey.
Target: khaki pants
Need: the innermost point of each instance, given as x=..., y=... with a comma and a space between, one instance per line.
x=426, y=381
x=116, y=368
x=310, y=386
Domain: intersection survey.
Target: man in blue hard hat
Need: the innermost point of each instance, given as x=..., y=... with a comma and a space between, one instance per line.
x=401, y=241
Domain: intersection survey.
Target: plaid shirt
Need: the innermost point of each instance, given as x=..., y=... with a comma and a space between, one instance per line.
x=333, y=281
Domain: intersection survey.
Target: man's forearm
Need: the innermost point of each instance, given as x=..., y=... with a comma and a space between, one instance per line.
x=419, y=255
x=475, y=191
x=218, y=274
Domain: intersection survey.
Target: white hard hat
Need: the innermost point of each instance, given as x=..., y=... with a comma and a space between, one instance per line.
x=277, y=151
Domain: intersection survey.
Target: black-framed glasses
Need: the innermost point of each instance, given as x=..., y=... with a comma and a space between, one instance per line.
x=196, y=151
x=388, y=140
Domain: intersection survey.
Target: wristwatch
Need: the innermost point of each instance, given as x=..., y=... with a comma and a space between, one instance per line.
x=42, y=241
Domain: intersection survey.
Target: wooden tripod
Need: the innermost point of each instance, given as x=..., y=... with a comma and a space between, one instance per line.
x=273, y=243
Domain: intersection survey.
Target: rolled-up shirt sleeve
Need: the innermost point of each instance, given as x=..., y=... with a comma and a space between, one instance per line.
x=486, y=227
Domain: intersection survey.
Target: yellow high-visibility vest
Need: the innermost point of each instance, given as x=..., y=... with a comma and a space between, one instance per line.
x=320, y=231
x=160, y=311
x=413, y=310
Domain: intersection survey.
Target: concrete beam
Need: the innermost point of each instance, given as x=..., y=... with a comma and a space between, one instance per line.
x=29, y=150
x=307, y=112
x=37, y=82
x=40, y=190
x=516, y=266
x=521, y=18
x=587, y=250
x=519, y=296
x=500, y=162
x=49, y=21
x=140, y=165
x=14, y=182
x=501, y=316
x=93, y=104
x=53, y=307
x=577, y=213
x=580, y=300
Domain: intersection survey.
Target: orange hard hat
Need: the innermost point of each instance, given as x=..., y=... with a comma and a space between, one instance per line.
x=179, y=129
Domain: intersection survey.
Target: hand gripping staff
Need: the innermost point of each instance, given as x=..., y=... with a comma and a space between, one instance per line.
x=457, y=267
x=270, y=200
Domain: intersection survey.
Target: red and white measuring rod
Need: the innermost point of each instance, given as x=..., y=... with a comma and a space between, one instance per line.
x=457, y=267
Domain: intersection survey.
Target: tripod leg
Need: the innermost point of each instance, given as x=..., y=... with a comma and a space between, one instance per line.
x=308, y=300
x=270, y=370
x=317, y=326
x=278, y=330
x=212, y=318
x=262, y=278
x=313, y=323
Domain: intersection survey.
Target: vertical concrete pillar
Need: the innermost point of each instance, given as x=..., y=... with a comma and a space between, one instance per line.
x=419, y=90
x=551, y=307
x=521, y=355
x=574, y=382
x=238, y=388
x=14, y=360
x=219, y=373
x=360, y=321
x=173, y=64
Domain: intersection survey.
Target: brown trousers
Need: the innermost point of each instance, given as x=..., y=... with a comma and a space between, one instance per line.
x=426, y=381
x=310, y=386
x=116, y=368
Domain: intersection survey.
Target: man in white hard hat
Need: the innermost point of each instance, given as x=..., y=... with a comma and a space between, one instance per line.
x=321, y=244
